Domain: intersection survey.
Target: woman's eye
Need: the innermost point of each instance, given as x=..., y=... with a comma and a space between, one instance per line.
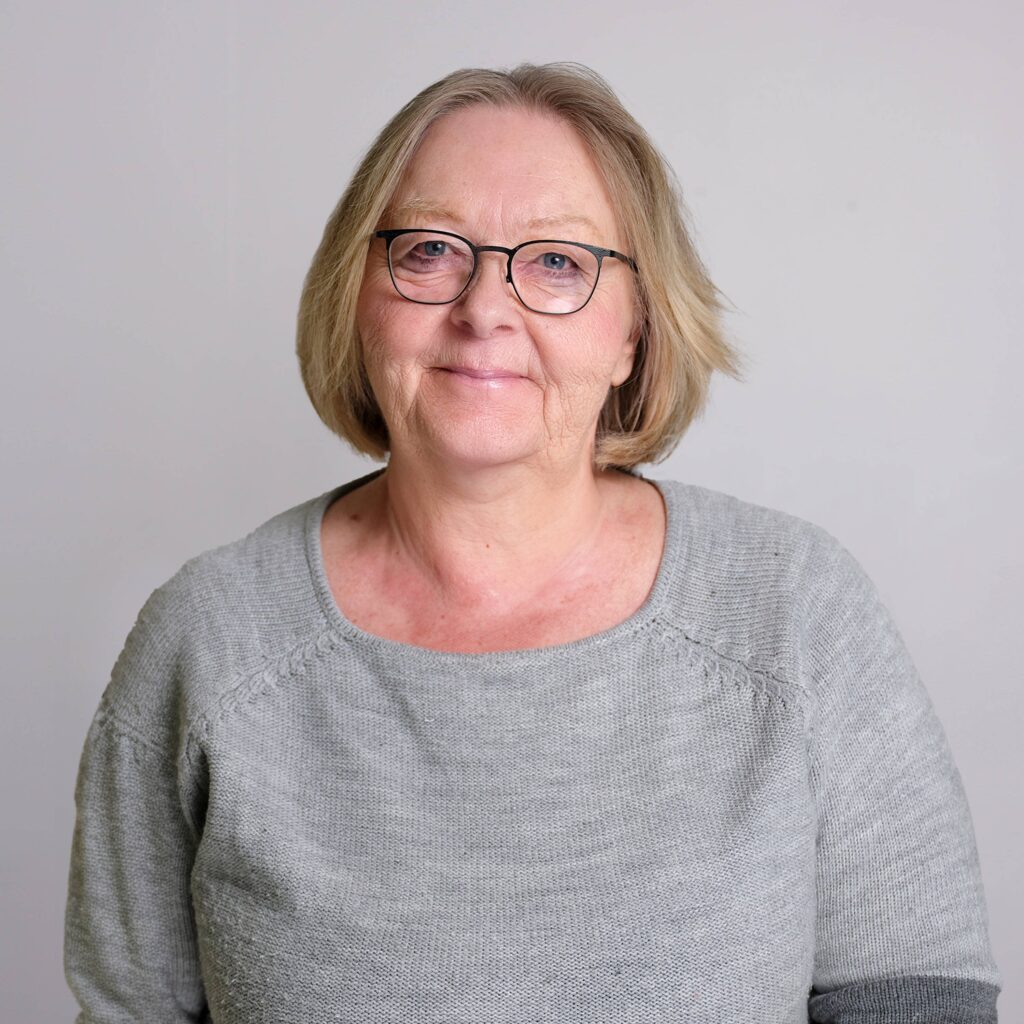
x=555, y=261
x=434, y=248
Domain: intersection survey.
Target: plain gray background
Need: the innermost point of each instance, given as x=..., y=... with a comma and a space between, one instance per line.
x=853, y=175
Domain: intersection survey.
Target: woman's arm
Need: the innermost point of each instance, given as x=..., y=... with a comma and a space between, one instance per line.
x=902, y=926
x=130, y=951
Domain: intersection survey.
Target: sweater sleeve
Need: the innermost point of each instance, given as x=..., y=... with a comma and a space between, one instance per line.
x=902, y=925
x=130, y=947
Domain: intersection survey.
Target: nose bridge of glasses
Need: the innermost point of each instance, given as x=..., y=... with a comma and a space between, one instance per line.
x=507, y=253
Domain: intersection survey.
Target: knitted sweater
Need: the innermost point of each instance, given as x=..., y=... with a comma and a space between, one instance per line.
x=737, y=805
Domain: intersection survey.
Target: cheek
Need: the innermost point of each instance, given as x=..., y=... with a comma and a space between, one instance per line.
x=596, y=345
x=374, y=303
x=395, y=337
x=383, y=333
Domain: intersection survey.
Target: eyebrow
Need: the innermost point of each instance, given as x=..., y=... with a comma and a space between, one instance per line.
x=420, y=207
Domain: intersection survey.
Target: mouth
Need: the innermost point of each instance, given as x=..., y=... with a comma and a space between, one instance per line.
x=482, y=374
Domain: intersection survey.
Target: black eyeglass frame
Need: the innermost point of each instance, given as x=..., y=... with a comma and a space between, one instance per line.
x=390, y=234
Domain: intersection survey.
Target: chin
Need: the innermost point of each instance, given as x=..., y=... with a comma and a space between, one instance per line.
x=481, y=447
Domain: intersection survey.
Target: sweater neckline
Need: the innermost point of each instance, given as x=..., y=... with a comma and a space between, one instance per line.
x=348, y=630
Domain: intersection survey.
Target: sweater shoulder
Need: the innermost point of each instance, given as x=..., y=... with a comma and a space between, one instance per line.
x=225, y=613
x=750, y=578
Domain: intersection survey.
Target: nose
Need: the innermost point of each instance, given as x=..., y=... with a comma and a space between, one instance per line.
x=489, y=301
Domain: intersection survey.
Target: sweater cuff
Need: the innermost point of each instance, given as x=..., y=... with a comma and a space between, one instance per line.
x=912, y=999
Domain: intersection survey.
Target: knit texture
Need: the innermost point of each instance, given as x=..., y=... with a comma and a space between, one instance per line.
x=738, y=805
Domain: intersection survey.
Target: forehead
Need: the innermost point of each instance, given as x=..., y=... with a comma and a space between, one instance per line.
x=505, y=172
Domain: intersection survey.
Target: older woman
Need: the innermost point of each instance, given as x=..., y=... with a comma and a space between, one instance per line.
x=505, y=731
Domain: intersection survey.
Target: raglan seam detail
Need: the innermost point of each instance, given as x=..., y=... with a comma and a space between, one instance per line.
x=259, y=681
x=737, y=669
x=105, y=720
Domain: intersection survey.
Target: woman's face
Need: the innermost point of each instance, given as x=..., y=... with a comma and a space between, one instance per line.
x=498, y=177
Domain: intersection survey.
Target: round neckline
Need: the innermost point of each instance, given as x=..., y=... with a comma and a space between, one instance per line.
x=482, y=659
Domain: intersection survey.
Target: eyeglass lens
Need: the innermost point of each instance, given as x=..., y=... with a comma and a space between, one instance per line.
x=550, y=277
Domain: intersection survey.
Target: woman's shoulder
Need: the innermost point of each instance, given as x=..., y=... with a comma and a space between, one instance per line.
x=758, y=585
x=737, y=540
x=227, y=614
x=726, y=516
x=220, y=584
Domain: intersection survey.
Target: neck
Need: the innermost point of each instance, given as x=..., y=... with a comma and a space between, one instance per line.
x=494, y=536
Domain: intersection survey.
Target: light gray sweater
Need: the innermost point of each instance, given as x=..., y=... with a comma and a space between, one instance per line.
x=736, y=806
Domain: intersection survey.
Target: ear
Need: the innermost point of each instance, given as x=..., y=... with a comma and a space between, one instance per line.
x=627, y=357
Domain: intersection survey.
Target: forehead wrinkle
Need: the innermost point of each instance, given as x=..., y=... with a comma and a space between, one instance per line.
x=425, y=208
x=577, y=219
x=420, y=207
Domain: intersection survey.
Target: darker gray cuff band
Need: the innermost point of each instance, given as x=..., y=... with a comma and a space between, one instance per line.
x=907, y=1000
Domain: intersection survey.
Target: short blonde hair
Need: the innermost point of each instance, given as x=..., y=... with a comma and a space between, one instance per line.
x=679, y=309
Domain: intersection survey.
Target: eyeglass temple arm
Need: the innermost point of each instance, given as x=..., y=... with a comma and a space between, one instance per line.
x=622, y=256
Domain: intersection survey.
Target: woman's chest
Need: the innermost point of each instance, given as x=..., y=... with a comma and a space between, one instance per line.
x=381, y=595
x=642, y=844
x=558, y=615
x=402, y=609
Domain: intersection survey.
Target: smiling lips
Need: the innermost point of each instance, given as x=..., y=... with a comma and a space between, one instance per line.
x=468, y=371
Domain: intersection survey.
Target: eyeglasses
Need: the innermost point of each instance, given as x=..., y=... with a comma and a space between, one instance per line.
x=548, y=275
